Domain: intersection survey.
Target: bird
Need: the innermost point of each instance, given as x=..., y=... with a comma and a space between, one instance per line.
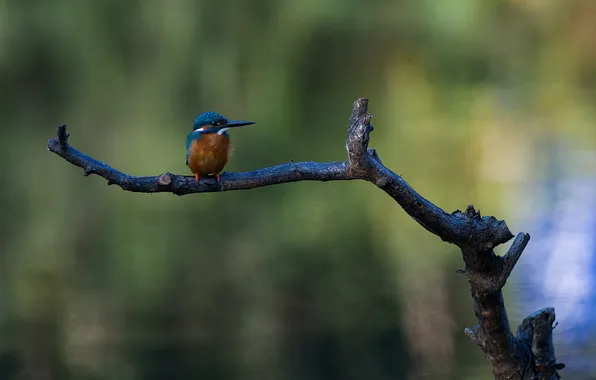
x=208, y=145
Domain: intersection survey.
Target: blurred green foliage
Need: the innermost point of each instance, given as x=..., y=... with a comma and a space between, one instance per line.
x=296, y=281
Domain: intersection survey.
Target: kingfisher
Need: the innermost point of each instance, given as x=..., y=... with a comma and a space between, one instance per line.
x=208, y=146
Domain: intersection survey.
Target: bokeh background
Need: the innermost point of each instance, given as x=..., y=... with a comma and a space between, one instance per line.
x=484, y=102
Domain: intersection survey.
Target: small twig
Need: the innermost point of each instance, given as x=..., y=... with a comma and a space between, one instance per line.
x=513, y=254
x=62, y=136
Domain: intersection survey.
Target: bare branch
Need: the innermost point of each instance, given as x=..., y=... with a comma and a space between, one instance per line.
x=530, y=354
x=458, y=228
x=182, y=185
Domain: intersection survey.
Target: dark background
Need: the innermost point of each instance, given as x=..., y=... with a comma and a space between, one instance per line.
x=484, y=102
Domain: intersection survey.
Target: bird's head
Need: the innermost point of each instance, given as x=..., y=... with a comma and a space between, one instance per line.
x=216, y=123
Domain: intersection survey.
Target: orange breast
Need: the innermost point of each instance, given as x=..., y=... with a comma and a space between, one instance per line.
x=209, y=154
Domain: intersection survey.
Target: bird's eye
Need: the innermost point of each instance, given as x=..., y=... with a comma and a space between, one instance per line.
x=217, y=123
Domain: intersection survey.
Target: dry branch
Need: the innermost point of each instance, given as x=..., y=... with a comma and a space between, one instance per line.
x=530, y=355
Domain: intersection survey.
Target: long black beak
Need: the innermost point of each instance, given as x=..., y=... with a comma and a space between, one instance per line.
x=236, y=123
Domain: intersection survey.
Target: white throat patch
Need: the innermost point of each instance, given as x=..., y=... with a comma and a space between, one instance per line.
x=220, y=132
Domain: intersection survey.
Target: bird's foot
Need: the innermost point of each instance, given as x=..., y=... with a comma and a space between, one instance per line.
x=197, y=177
x=217, y=178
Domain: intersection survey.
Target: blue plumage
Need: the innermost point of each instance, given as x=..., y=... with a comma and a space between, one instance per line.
x=209, y=118
x=192, y=136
